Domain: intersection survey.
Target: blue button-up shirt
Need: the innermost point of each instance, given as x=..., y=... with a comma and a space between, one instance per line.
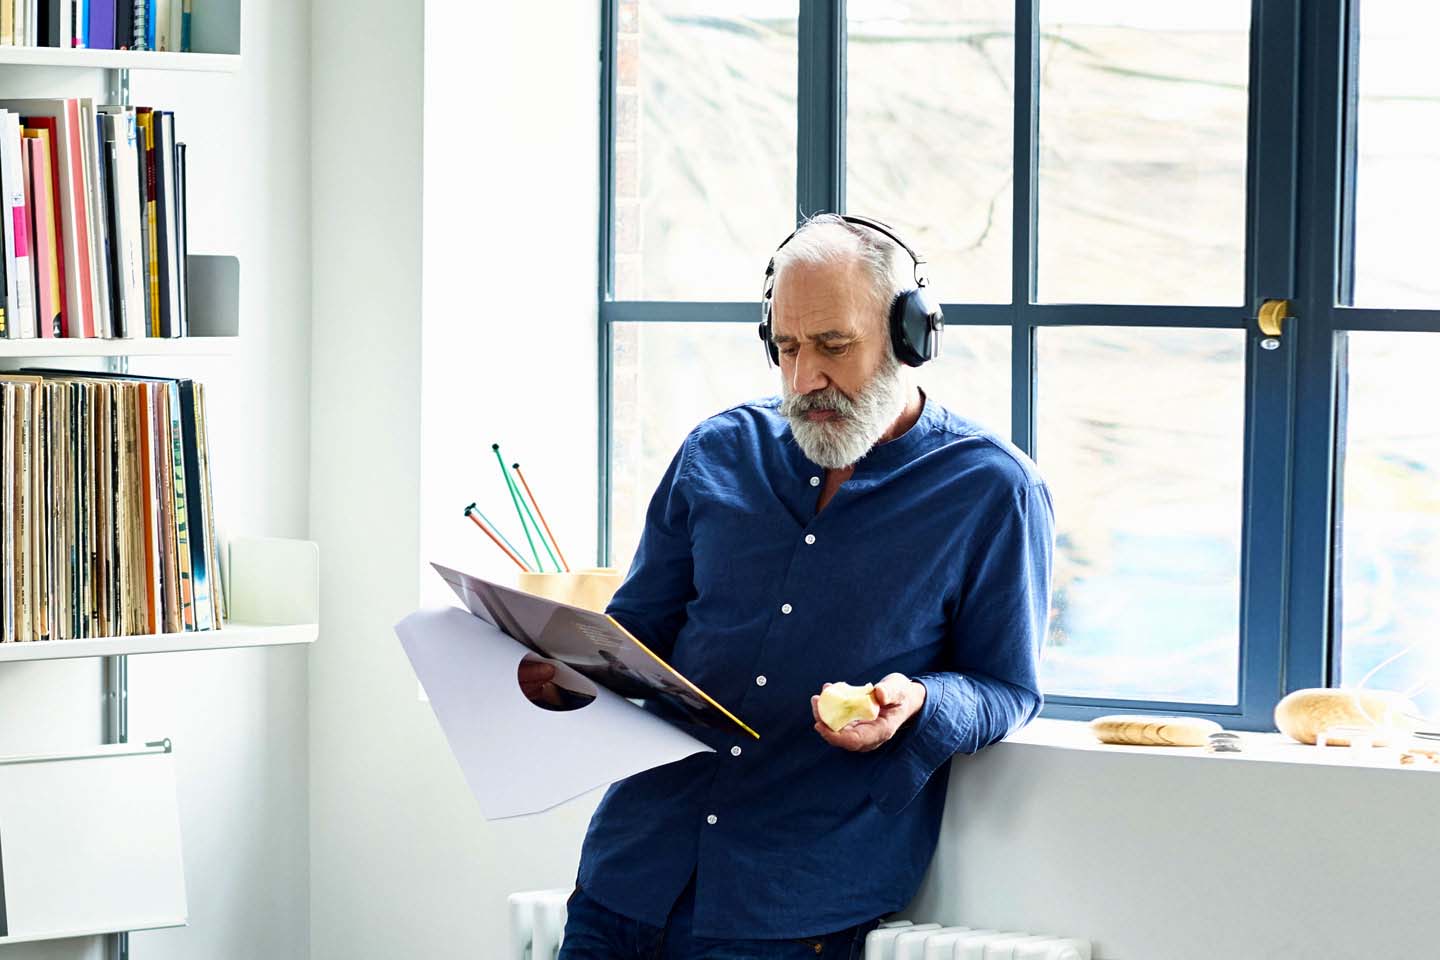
x=933, y=560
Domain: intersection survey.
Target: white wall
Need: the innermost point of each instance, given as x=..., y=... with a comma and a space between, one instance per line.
x=1155, y=856
x=402, y=864
x=237, y=718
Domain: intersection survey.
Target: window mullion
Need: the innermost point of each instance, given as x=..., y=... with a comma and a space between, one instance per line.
x=1022, y=249
x=1311, y=538
x=820, y=141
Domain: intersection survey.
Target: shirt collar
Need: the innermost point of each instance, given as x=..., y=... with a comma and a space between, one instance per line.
x=906, y=446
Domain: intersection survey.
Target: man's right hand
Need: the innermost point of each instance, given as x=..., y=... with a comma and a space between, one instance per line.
x=536, y=682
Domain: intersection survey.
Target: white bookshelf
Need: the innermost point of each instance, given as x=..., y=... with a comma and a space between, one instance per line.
x=274, y=599
x=119, y=59
x=271, y=585
x=73, y=348
x=214, y=310
x=234, y=635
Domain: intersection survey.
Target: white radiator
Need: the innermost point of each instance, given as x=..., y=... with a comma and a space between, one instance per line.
x=537, y=924
x=903, y=940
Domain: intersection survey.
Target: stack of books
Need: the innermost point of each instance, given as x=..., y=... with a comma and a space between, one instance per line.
x=97, y=24
x=92, y=208
x=108, y=526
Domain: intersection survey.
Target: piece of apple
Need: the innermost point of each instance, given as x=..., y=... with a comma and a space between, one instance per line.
x=841, y=703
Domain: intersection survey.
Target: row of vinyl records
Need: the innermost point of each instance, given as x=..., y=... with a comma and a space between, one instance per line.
x=92, y=209
x=97, y=24
x=108, y=520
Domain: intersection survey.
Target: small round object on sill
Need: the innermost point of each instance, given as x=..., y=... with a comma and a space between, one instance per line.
x=1146, y=731
x=1224, y=741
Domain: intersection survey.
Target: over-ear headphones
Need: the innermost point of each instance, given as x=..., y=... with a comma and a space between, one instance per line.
x=916, y=322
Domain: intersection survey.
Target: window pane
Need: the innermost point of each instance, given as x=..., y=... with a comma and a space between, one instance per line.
x=667, y=377
x=705, y=116
x=929, y=134
x=1396, y=203
x=1390, y=534
x=670, y=376
x=1140, y=437
x=971, y=377
x=1142, y=151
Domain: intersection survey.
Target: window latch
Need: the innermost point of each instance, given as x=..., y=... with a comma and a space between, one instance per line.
x=1273, y=314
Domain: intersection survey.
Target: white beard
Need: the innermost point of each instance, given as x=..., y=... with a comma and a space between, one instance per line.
x=836, y=444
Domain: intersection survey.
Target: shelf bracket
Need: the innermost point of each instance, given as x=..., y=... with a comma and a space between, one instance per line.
x=117, y=84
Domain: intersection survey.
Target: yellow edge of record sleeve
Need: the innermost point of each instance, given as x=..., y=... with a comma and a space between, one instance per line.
x=705, y=696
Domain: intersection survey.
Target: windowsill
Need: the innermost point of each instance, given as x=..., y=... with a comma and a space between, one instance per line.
x=1257, y=747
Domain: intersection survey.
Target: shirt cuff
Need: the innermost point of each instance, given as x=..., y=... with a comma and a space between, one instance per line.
x=933, y=736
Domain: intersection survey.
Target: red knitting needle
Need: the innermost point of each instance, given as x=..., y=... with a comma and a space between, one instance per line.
x=541, y=514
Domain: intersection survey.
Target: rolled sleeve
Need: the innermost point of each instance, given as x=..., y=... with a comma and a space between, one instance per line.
x=996, y=636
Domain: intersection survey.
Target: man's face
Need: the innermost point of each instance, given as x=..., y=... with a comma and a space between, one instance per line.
x=827, y=329
x=842, y=388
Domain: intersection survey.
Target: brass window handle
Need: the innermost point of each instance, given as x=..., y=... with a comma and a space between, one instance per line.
x=1273, y=314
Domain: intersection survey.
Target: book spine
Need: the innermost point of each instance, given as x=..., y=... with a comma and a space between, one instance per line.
x=114, y=243
x=208, y=496
x=182, y=510
x=195, y=511
x=149, y=499
x=152, y=253
x=24, y=577
x=169, y=229
x=17, y=233
x=102, y=24
x=42, y=227
x=182, y=263
x=124, y=24
x=43, y=581
x=169, y=548
x=7, y=549
x=107, y=323
x=78, y=160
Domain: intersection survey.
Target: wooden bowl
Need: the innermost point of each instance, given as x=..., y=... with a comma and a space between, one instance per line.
x=1303, y=714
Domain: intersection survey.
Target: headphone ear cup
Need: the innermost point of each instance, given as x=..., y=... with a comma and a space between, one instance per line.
x=915, y=325
x=771, y=351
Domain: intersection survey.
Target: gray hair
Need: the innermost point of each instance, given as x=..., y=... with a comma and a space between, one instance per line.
x=827, y=238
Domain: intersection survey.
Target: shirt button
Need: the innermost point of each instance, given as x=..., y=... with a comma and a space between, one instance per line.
x=712, y=819
x=809, y=538
x=760, y=681
x=734, y=751
x=814, y=481
x=786, y=608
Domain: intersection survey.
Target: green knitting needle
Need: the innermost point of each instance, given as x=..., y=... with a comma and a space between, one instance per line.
x=510, y=485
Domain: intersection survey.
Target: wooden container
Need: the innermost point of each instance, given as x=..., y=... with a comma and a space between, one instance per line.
x=590, y=589
x=1305, y=713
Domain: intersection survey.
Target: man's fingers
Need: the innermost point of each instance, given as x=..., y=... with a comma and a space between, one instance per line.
x=532, y=671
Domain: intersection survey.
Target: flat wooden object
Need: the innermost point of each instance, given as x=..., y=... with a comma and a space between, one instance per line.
x=1154, y=731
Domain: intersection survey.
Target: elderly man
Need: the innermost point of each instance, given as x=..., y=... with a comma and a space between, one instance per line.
x=851, y=530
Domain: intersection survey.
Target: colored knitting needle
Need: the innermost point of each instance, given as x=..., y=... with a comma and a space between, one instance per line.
x=496, y=528
x=476, y=520
x=524, y=503
x=531, y=495
x=515, y=499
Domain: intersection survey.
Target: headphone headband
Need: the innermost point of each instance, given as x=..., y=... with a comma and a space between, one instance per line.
x=885, y=229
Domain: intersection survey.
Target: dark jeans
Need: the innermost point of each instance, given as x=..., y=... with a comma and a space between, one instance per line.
x=595, y=933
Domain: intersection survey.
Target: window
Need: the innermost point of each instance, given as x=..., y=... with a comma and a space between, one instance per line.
x=1108, y=191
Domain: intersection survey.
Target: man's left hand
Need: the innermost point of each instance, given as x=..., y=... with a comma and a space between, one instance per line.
x=899, y=699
